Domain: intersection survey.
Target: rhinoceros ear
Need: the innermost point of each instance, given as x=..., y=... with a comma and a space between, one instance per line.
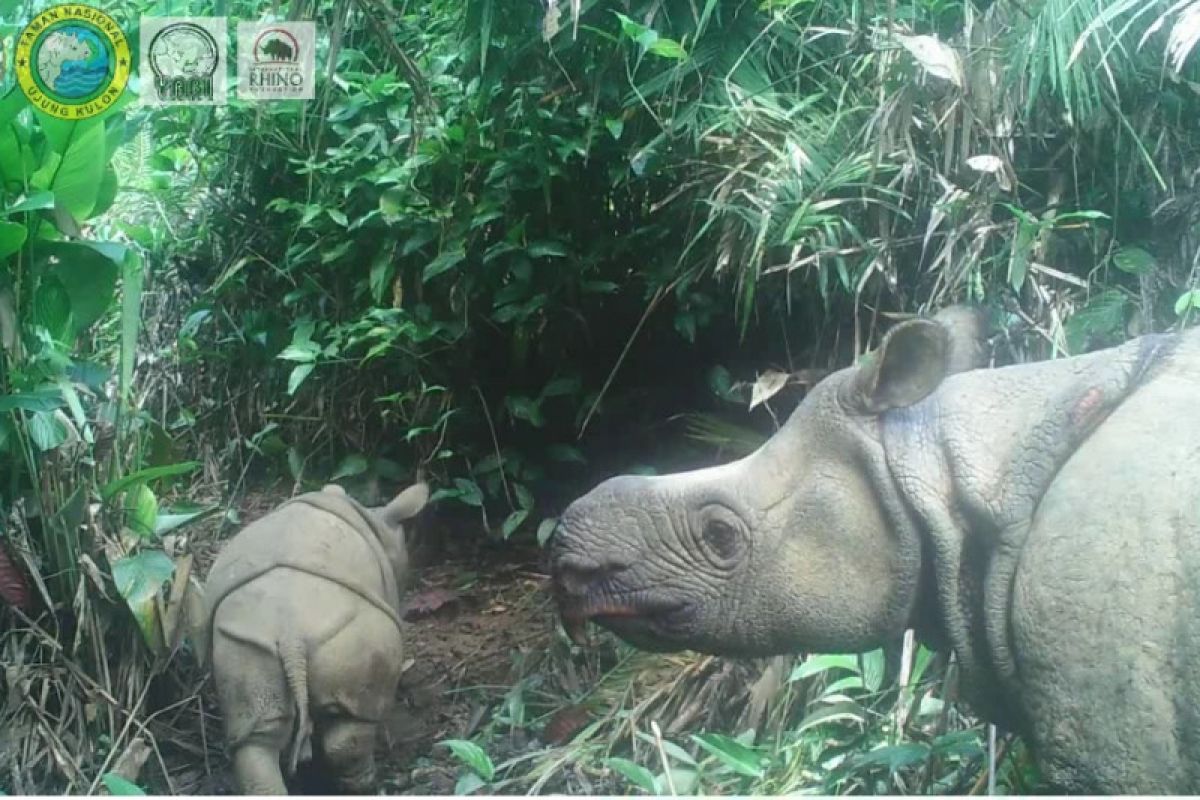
x=406, y=505
x=910, y=364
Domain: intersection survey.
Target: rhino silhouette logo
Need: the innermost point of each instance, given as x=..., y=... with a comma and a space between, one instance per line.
x=278, y=50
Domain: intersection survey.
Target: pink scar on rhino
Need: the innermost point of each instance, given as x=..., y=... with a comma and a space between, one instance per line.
x=1089, y=410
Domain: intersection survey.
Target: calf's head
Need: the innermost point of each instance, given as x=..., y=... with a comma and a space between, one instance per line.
x=795, y=547
x=392, y=517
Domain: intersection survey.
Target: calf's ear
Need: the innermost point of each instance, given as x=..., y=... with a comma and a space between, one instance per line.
x=406, y=505
x=910, y=364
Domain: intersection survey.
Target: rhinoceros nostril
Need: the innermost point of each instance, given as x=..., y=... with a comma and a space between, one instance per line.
x=575, y=575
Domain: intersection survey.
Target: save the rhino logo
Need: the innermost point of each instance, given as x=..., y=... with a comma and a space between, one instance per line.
x=276, y=60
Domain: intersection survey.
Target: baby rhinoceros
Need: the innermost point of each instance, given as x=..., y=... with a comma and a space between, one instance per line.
x=305, y=635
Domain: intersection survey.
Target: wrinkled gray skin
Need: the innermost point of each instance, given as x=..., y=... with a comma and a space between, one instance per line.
x=305, y=635
x=1041, y=520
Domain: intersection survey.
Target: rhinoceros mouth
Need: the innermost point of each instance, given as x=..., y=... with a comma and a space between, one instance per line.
x=622, y=615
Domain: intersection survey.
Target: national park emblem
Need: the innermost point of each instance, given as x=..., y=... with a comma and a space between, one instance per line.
x=72, y=61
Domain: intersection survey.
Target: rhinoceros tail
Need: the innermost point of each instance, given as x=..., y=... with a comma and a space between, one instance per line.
x=295, y=671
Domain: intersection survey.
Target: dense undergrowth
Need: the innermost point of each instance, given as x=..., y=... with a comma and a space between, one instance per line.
x=516, y=247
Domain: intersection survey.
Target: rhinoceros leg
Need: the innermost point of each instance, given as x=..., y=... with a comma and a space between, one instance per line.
x=349, y=748
x=256, y=768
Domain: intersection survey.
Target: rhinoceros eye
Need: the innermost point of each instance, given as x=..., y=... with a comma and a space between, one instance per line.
x=722, y=538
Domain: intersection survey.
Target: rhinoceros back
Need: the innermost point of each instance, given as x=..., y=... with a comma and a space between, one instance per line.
x=1106, y=600
x=323, y=534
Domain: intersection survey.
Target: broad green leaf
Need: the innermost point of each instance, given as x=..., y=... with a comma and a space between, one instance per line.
x=1104, y=315
x=297, y=376
x=473, y=756
x=1134, y=260
x=446, y=260
x=139, y=579
x=469, y=492
x=468, y=783
x=120, y=787
x=667, y=48
x=52, y=309
x=513, y=522
x=382, y=269
x=304, y=352
x=524, y=408
x=615, y=127
x=76, y=182
x=89, y=274
x=546, y=530
x=1188, y=300
x=391, y=203
x=546, y=249
x=12, y=237
x=670, y=748
x=894, y=757
x=338, y=216
x=37, y=201
x=142, y=509
x=873, y=665
x=636, y=774
x=40, y=400
x=354, y=464
x=167, y=521
x=110, y=490
x=46, y=430
x=735, y=755
x=562, y=386
x=849, y=711
x=822, y=663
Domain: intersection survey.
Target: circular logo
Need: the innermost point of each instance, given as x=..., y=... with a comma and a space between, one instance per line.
x=183, y=50
x=72, y=61
x=276, y=46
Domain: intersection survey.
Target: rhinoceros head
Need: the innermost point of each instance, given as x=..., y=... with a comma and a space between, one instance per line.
x=795, y=547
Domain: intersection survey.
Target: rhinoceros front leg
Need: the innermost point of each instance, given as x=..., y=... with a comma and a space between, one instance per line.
x=349, y=749
x=256, y=767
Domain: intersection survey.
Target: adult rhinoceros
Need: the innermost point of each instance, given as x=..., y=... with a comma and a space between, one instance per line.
x=1041, y=520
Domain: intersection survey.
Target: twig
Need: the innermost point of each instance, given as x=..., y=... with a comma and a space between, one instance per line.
x=662, y=754
x=496, y=445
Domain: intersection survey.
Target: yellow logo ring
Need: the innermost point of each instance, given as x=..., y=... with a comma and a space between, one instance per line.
x=73, y=61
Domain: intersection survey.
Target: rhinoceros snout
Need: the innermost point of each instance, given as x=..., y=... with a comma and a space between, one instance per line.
x=575, y=576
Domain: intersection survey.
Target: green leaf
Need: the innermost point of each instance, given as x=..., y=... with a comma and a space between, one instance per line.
x=473, y=756
x=355, y=464
x=143, y=511
x=667, y=48
x=76, y=183
x=1134, y=260
x=89, y=274
x=468, y=783
x=132, y=277
x=636, y=774
x=1104, y=315
x=297, y=376
x=139, y=579
x=40, y=400
x=814, y=665
x=37, y=201
x=46, y=430
x=165, y=522
x=561, y=387
x=546, y=530
x=304, y=352
x=469, y=492
x=382, y=269
x=446, y=260
x=522, y=407
x=546, y=249
x=894, y=757
x=52, y=309
x=835, y=712
x=1187, y=300
x=391, y=203
x=12, y=237
x=873, y=664
x=615, y=127
x=110, y=490
x=513, y=522
x=338, y=217
x=120, y=787
x=735, y=755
